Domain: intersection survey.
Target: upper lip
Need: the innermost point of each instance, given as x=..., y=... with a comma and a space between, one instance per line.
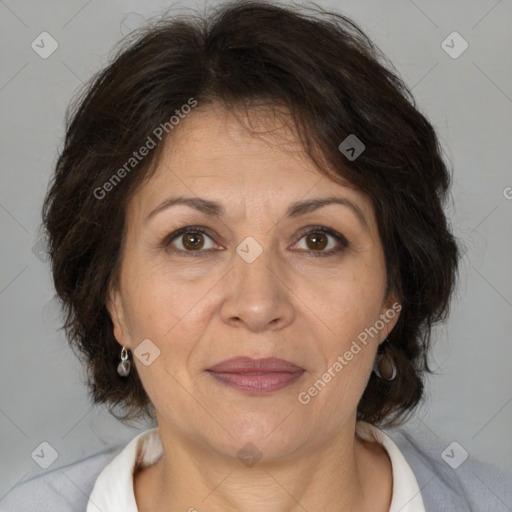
x=249, y=365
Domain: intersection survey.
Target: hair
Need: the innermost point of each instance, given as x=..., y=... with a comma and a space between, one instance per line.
x=335, y=82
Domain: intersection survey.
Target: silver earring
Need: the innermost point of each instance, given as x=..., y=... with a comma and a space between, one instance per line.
x=384, y=367
x=123, y=368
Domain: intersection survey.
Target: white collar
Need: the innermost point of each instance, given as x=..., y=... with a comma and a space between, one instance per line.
x=113, y=489
x=406, y=492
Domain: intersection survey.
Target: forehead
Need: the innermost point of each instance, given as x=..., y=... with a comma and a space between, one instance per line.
x=256, y=142
x=249, y=157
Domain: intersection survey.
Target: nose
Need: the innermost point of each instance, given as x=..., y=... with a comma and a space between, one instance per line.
x=257, y=296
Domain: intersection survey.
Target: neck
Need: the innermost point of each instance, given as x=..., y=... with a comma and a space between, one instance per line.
x=341, y=474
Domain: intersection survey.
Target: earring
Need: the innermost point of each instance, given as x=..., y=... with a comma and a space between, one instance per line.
x=385, y=367
x=123, y=368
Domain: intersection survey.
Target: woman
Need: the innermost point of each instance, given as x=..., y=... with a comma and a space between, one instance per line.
x=247, y=232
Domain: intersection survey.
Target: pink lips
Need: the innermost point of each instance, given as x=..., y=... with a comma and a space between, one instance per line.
x=256, y=375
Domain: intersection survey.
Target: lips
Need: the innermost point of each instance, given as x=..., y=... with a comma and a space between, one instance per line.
x=256, y=376
x=248, y=365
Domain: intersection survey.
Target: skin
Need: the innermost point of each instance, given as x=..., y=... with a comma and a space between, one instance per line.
x=287, y=303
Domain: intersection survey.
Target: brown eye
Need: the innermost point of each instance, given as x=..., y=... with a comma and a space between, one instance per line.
x=193, y=240
x=189, y=240
x=317, y=241
x=321, y=241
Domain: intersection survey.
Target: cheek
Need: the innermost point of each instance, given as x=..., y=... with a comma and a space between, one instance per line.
x=348, y=344
x=157, y=301
x=337, y=384
x=350, y=304
x=174, y=316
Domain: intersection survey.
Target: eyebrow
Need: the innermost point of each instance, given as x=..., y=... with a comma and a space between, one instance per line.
x=297, y=209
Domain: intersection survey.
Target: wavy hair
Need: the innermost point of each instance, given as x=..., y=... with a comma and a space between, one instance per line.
x=335, y=82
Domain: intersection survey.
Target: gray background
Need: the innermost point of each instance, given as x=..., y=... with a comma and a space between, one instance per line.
x=469, y=101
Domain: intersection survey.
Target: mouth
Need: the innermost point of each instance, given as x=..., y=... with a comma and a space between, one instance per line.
x=256, y=376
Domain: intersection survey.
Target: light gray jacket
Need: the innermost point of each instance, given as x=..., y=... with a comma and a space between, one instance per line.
x=472, y=487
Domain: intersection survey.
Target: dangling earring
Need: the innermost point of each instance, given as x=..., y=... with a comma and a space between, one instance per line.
x=123, y=368
x=384, y=366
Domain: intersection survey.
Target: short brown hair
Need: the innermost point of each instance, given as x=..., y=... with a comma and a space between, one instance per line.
x=335, y=82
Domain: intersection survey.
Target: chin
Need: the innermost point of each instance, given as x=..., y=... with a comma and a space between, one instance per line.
x=265, y=434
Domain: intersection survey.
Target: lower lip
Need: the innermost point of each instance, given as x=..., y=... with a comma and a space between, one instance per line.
x=257, y=383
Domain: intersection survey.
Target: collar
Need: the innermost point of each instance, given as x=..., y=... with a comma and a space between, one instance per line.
x=113, y=490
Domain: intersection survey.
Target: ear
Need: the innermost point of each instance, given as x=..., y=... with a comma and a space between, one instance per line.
x=390, y=314
x=115, y=308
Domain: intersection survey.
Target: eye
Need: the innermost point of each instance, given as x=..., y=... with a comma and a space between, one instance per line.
x=317, y=239
x=189, y=239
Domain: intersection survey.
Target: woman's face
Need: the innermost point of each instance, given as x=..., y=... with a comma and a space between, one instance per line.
x=256, y=278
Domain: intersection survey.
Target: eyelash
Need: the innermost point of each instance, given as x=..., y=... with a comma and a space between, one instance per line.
x=167, y=241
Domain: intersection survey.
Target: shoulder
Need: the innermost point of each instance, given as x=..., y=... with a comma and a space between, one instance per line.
x=65, y=489
x=449, y=478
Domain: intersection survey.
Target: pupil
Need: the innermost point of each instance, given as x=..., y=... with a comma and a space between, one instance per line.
x=192, y=241
x=317, y=240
